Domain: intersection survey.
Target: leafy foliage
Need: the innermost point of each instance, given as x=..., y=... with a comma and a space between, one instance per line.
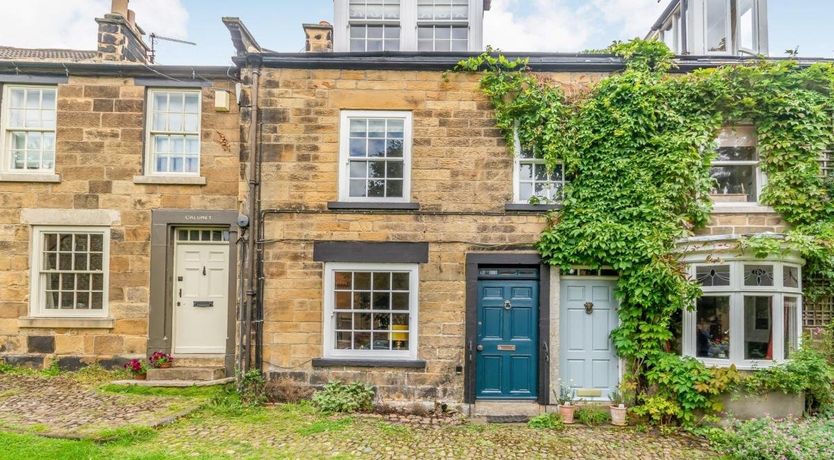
x=547, y=421
x=592, y=415
x=344, y=397
x=638, y=146
x=807, y=371
x=766, y=439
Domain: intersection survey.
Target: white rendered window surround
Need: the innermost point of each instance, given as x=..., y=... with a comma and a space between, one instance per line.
x=749, y=315
x=27, y=129
x=69, y=271
x=736, y=169
x=375, y=156
x=172, y=143
x=532, y=182
x=370, y=310
x=408, y=23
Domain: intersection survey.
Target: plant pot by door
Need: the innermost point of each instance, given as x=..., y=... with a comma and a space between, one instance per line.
x=566, y=411
x=165, y=365
x=618, y=415
x=140, y=376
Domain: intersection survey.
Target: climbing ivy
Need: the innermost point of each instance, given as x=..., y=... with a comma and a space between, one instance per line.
x=638, y=147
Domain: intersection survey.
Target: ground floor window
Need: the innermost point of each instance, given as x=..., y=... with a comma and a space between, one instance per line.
x=749, y=314
x=370, y=310
x=69, y=271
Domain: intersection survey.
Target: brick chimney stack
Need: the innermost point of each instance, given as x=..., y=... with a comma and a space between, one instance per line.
x=319, y=37
x=119, y=37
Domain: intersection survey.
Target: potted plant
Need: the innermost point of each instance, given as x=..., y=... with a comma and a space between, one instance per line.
x=138, y=368
x=618, y=408
x=161, y=360
x=565, y=400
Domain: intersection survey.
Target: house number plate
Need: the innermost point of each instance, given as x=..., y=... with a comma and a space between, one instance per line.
x=506, y=347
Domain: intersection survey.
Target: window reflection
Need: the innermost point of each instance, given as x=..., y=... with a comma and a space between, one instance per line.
x=713, y=327
x=758, y=327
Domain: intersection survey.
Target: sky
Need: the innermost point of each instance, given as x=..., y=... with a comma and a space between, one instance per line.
x=511, y=25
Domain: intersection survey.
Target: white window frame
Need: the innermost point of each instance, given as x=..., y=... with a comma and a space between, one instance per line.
x=672, y=29
x=37, y=294
x=737, y=39
x=385, y=23
x=728, y=32
x=150, y=156
x=827, y=163
x=517, y=160
x=5, y=138
x=329, y=318
x=344, y=154
x=761, y=177
x=737, y=291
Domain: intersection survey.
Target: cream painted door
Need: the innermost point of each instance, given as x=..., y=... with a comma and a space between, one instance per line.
x=201, y=303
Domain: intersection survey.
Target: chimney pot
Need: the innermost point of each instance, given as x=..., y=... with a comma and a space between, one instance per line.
x=119, y=7
x=319, y=37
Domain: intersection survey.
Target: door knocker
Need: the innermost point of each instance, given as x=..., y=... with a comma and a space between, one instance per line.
x=507, y=305
x=589, y=307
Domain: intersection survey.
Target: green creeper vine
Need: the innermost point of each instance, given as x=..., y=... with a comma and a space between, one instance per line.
x=638, y=146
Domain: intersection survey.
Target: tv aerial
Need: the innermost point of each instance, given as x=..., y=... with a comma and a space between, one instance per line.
x=154, y=37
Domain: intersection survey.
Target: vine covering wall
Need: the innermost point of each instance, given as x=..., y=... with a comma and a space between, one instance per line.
x=638, y=147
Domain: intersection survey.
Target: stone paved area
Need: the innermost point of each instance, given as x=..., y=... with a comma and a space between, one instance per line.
x=62, y=406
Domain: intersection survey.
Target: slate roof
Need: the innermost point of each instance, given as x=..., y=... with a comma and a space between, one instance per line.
x=45, y=54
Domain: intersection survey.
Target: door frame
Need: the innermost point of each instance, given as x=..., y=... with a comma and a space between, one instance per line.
x=615, y=279
x=507, y=259
x=162, y=253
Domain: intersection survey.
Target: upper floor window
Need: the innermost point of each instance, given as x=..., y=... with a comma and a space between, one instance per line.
x=374, y=25
x=535, y=182
x=735, y=170
x=375, y=156
x=671, y=33
x=717, y=26
x=827, y=164
x=747, y=25
x=173, y=132
x=69, y=271
x=28, y=128
x=443, y=25
x=749, y=314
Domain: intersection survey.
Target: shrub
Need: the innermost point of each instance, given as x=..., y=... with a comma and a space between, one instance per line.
x=286, y=390
x=251, y=388
x=548, y=421
x=765, y=439
x=806, y=371
x=344, y=397
x=593, y=415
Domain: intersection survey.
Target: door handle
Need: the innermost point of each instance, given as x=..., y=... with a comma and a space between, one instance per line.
x=180, y=294
x=480, y=347
x=204, y=270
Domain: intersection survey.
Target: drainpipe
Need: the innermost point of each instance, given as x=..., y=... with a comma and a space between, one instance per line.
x=251, y=289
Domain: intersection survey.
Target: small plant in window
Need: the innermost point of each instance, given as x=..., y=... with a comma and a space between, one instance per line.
x=160, y=360
x=138, y=369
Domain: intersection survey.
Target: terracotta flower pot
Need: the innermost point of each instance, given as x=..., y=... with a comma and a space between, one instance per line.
x=618, y=415
x=566, y=411
x=165, y=365
x=140, y=376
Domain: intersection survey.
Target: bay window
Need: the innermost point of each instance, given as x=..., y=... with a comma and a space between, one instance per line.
x=370, y=310
x=749, y=314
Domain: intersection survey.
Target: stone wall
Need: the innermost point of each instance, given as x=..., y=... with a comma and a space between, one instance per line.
x=99, y=150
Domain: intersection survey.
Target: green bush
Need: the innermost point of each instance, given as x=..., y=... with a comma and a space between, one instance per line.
x=765, y=439
x=806, y=371
x=548, y=421
x=344, y=397
x=593, y=415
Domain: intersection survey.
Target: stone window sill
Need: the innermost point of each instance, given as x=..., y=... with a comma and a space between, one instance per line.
x=30, y=177
x=343, y=362
x=372, y=205
x=741, y=208
x=527, y=207
x=169, y=180
x=65, y=323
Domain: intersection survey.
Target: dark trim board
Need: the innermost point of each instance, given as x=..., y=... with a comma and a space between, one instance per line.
x=363, y=205
x=401, y=363
x=168, y=83
x=35, y=79
x=473, y=261
x=380, y=252
x=161, y=314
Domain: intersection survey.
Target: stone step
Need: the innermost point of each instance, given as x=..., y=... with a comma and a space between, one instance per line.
x=506, y=409
x=187, y=373
x=199, y=361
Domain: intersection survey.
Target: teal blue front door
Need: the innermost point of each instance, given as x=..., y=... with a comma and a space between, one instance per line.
x=507, y=342
x=588, y=314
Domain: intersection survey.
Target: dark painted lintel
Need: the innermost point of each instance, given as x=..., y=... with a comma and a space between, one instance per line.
x=371, y=252
x=168, y=83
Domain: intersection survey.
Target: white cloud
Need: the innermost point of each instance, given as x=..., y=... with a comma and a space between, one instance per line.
x=562, y=25
x=71, y=24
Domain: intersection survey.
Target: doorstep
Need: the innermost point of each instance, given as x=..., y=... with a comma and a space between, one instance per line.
x=505, y=411
x=175, y=383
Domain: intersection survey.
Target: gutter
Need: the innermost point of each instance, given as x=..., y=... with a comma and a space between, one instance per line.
x=117, y=70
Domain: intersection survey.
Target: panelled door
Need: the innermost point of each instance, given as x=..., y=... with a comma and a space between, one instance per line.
x=201, y=289
x=507, y=342
x=589, y=363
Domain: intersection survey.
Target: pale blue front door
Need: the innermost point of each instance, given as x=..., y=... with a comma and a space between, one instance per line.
x=588, y=314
